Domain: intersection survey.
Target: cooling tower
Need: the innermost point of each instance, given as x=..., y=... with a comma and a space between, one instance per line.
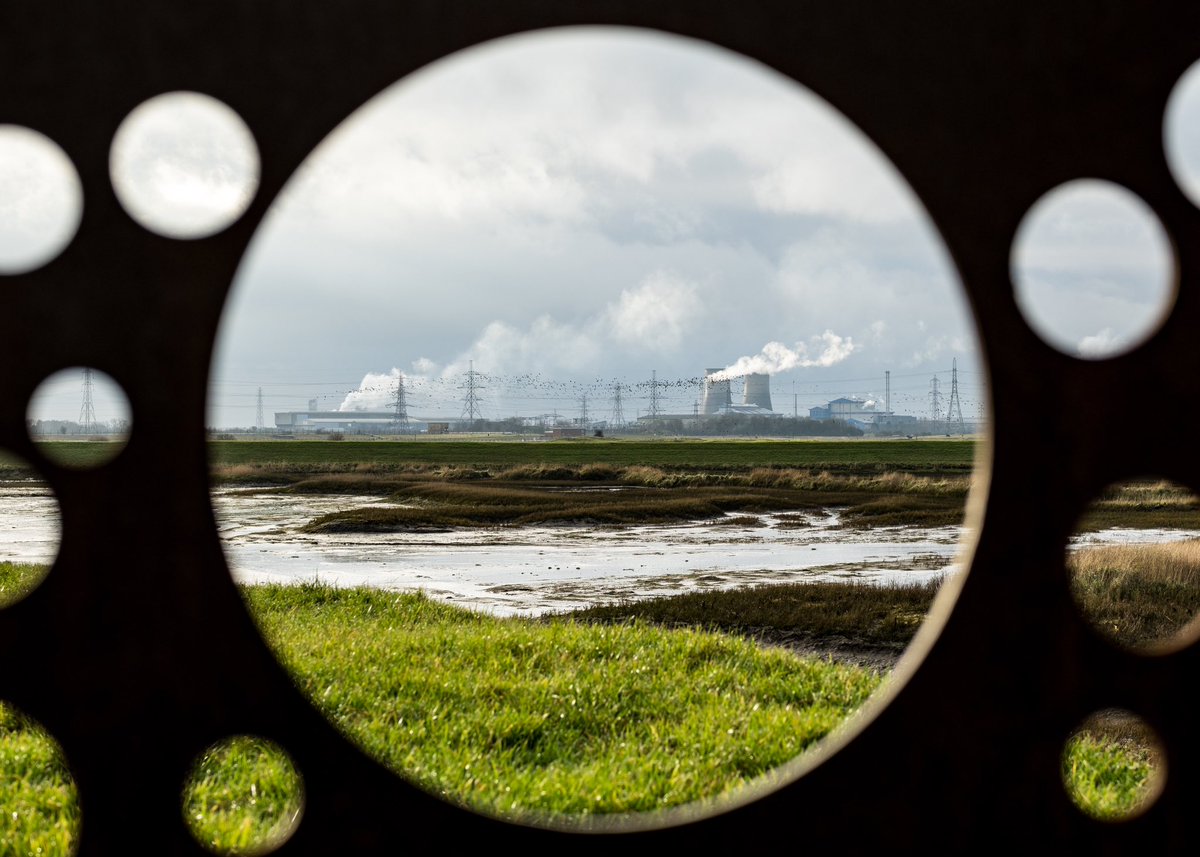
x=716, y=393
x=757, y=391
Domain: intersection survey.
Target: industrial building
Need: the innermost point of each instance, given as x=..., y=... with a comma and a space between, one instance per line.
x=846, y=409
x=862, y=414
x=353, y=422
x=718, y=398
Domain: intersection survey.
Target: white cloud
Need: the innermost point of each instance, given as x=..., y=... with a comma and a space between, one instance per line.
x=656, y=315
x=807, y=185
x=545, y=345
x=1100, y=344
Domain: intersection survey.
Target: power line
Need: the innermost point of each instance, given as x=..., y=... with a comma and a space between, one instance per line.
x=471, y=401
x=87, y=412
x=954, y=412
x=400, y=403
x=618, y=413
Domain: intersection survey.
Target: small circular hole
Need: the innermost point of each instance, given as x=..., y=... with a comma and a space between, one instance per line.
x=1135, y=564
x=79, y=418
x=1181, y=133
x=1092, y=267
x=1113, y=765
x=184, y=165
x=244, y=796
x=41, y=200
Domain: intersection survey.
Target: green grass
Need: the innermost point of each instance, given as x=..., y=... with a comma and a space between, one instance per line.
x=1112, y=765
x=1106, y=780
x=520, y=716
x=40, y=810
x=863, y=455
x=512, y=716
x=916, y=456
x=18, y=579
x=243, y=797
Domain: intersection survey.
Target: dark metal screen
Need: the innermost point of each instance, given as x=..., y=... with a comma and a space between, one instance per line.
x=136, y=652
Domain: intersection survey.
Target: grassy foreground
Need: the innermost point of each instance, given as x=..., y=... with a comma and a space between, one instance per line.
x=517, y=716
x=521, y=716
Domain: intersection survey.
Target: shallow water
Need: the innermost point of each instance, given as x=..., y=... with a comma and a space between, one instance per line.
x=30, y=526
x=533, y=570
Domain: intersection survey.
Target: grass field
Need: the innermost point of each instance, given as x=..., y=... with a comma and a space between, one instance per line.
x=902, y=455
x=592, y=714
x=914, y=456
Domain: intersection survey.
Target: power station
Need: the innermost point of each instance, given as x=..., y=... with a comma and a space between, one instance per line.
x=714, y=410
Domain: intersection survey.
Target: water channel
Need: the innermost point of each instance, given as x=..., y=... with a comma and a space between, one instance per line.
x=534, y=570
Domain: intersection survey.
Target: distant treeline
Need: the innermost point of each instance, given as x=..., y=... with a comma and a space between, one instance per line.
x=727, y=425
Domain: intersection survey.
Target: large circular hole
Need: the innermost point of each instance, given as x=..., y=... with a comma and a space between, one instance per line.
x=1093, y=269
x=30, y=529
x=79, y=418
x=184, y=165
x=37, y=792
x=486, y=399
x=244, y=796
x=1135, y=565
x=41, y=200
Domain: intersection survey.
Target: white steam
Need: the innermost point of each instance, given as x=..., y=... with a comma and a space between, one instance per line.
x=377, y=392
x=828, y=349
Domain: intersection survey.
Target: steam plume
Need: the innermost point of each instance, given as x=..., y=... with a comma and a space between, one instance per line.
x=775, y=357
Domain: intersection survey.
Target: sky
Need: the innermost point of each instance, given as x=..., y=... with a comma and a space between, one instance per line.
x=574, y=210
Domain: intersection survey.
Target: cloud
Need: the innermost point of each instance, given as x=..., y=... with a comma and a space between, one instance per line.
x=545, y=345
x=1101, y=344
x=653, y=317
x=656, y=315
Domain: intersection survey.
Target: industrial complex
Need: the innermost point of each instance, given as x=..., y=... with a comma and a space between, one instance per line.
x=714, y=410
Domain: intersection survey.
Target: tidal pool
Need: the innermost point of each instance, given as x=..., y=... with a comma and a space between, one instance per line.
x=30, y=527
x=533, y=570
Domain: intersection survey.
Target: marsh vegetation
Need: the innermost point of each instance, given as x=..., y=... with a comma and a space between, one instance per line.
x=628, y=706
